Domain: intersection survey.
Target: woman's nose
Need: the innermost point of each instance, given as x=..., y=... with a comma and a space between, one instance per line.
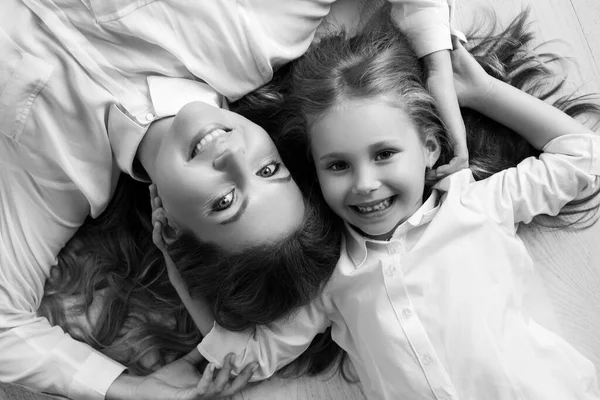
x=365, y=182
x=231, y=159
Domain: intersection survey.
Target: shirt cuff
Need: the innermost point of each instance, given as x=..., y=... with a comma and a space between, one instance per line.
x=220, y=342
x=581, y=145
x=94, y=377
x=427, y=29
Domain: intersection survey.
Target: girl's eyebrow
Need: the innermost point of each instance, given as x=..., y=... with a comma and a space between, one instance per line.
x=372, y=147
x=382, y=144
x=331, y=155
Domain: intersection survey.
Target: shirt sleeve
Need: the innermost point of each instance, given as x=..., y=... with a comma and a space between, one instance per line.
x=32, y=352
x=426, y=23
x=568, y=165
x=273, y=346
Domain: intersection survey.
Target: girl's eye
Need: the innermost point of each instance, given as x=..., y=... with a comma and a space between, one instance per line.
x=384, y=155
x=337, y=166
x=269, y=170
x=224, y=202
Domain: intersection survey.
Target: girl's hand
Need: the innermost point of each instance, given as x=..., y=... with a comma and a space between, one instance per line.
x=181, y=380
x=470, y=79
x=199, y=309
x=438, y=67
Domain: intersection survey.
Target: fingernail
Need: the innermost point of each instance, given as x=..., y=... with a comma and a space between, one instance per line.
x=254, y=368
x=211, y=367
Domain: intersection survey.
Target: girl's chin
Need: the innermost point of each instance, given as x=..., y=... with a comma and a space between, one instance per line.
x=384, y=233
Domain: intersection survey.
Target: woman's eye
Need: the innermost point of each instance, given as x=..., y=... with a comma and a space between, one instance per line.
x=269, y=170
x=224, y=202
x=384, y=155
x=337, y=166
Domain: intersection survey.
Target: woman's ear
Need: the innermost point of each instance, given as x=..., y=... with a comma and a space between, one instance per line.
x=170, y=233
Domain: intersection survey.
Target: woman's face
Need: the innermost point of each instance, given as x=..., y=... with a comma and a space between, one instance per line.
x=221, y=178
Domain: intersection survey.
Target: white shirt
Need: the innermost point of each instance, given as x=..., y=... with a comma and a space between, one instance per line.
x=437, y=312
x=62, y=64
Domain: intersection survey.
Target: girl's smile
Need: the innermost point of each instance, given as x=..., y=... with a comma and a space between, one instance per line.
x=374, y=209
x=370, y=161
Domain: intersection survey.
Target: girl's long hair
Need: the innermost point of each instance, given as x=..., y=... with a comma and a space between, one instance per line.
x=114, y=256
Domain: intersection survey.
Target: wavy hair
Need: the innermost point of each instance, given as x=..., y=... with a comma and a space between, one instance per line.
x=115, y=257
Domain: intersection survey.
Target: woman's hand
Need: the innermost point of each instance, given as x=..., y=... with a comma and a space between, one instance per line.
x=159, y=222
x=470, y=79
x=180, y=380
x=199, y=309
x=438, y=68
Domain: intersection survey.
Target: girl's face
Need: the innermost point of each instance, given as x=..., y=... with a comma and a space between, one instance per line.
x=371, y=161
x=221, y=177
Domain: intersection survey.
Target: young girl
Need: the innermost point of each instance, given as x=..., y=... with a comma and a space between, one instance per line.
x=426, y=297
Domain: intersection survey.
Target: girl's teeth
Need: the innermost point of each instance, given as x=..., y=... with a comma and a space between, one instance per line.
x=382, y=205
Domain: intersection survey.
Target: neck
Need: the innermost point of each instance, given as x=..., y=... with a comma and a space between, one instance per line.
x=150, y=145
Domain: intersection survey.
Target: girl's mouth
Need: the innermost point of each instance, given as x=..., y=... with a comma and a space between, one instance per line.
x=374, y=207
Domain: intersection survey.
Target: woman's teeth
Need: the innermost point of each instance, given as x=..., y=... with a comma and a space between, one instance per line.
x=207, y=139
x=382, y=205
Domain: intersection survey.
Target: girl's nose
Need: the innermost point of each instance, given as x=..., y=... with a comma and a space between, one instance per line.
x=365, y=183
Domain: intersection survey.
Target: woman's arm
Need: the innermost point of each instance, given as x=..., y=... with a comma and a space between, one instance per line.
x=427, y=25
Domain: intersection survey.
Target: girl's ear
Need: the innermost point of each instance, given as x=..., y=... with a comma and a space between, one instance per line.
x=432, y=150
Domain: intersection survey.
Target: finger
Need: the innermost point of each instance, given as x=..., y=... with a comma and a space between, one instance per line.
x=159, y=215
x=224, y=374
x=153, y=191
x=206, y=380
x=241, y=380
x=456, y=42
x=456, y=164
x=157, y=238
x=194, y=357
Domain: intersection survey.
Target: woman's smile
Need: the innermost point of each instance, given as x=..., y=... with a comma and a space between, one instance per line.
x=207, y=138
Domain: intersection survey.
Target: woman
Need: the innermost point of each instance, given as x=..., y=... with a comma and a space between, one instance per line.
x=64, y=64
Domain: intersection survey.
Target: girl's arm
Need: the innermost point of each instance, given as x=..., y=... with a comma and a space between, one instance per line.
x=570, y=161
x=538, y=122
x=272, y=347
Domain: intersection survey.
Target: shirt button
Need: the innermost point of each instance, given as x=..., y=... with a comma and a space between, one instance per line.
x=144, y=119
x=396, y=247
x=427, y=359
x=407, y=312
x=391, y=270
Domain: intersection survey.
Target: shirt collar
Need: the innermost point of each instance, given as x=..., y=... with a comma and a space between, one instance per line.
x=356, y=244
x=168, y=95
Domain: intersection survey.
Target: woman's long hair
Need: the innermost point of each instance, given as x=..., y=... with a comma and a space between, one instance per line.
x=115, y=255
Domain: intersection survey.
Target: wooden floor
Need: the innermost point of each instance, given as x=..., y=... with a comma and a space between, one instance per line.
x=567, y=288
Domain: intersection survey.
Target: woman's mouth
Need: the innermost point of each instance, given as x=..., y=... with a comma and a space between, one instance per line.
x=374, y=207
x=205, y=139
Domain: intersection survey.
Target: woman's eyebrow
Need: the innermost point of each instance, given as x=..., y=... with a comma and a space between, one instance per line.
x=280, y=180
x=238, y=213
